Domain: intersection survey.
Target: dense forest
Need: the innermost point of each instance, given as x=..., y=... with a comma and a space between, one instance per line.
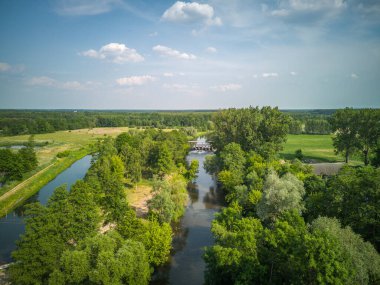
x=90, y=235
x=16, y=122
x=283, y=224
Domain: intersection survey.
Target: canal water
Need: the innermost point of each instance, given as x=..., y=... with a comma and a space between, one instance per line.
x=12, y=225
x=193, y=233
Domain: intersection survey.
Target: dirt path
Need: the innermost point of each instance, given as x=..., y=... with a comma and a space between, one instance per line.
x=18, y=186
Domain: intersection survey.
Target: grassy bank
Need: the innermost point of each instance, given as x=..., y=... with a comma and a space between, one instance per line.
x=12, y=198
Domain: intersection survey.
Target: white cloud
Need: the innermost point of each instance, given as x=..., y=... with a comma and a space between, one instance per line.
x=211, y=50
x=280, y=12
x=168, y=74
x=42, y=81
x=316, y=5
x=191, y=12
x=226, y=87
x=46, y=81
x=167, y=51
x=85, y=7
x=4, y=67
x=154, y=34
x=293, y=73
x=135, y=80
x=269, y=74
x=354, y=76
x=115, y=52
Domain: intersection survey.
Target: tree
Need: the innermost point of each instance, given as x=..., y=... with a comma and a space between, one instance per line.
x=192, y=169
x=368, y=121
x=344, y=125
x=358, y=258
x=262, y=130
x=28, y=156
x=280, y=195
x=356, y=200
x=104, y=259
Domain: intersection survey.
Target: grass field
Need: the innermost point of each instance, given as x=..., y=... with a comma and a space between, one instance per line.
x=315, y=148
x=63, y=140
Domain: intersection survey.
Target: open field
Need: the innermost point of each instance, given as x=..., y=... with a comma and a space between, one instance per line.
x=63, y=140
x=314, y=147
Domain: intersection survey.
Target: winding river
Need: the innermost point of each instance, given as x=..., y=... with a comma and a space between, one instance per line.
x=193, y=233
x=12, y=225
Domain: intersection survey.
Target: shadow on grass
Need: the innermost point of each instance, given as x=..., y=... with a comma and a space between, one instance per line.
x=308, y=158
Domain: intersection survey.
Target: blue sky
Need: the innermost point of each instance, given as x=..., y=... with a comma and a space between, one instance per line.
x=119, y=54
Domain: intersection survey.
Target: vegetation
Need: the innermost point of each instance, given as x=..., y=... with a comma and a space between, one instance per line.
x=91, y=235
x=356, y=130
x=14, y=164
x=38, y=122
x=262, y=237
x=29, y=187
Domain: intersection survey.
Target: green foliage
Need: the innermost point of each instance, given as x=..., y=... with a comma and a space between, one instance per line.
x=170, y=197
x=356, y=130
x=299, y=154
x=157, y=240
x=104, y=259
x=33, y=122
x=14, y=164
x=280, y=195
x=50, y=230
x=211, y=163
x=262, y=130
x=193, y=170
x=359, y=258
x=62, y=154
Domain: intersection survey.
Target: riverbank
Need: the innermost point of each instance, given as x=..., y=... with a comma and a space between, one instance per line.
x=20, y=193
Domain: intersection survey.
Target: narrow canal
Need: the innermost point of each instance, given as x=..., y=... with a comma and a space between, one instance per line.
x=193, y=233
x=12, y=225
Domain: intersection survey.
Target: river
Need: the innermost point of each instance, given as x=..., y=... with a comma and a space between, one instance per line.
x=193, y=233
x=12, y=225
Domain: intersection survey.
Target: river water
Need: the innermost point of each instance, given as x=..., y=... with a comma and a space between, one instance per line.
x=193, y=233
x=12, y=225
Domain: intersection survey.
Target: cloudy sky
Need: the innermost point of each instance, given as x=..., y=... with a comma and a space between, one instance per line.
x=124, y=54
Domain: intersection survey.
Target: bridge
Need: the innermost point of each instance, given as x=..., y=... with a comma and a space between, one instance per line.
x=200, y=145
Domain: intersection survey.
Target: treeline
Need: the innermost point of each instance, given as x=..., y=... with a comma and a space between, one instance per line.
x=90, y=235
x=36, y=122
x=357, y=131
x=13, y=164
x=283, y=224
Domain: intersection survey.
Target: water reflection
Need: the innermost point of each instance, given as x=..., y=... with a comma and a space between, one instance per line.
x=192, y=189
x=192, y=234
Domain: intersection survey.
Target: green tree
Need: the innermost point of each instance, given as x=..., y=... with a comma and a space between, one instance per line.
x=104, y=259
x=368, y=121
x=345, y=127
x=262, y=130
x=280, y=195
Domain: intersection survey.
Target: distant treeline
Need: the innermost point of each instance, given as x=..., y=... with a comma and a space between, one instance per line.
x=17, y=122
x=36, y=122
